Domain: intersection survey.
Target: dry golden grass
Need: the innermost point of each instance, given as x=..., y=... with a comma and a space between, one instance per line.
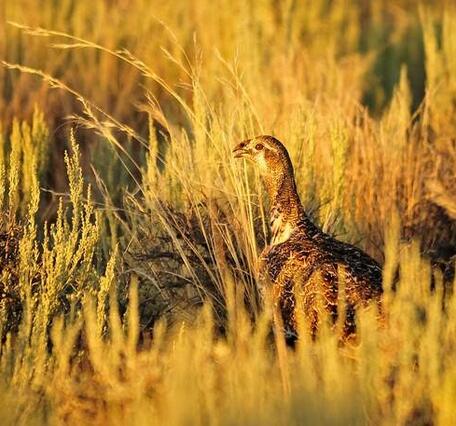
x=128, y=265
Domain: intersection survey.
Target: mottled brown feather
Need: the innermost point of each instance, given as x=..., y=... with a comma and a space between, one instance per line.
x=302, y=262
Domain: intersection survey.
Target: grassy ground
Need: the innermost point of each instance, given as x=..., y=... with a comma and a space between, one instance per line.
x=129, y=236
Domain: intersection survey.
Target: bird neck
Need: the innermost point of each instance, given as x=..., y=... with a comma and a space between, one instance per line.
x=286, y=211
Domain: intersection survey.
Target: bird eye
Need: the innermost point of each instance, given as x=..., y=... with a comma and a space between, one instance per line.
x=259, y=146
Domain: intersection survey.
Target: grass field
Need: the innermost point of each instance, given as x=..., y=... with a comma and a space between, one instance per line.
x=129, y=237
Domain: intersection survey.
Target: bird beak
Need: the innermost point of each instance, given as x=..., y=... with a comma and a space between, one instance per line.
x=241, y=151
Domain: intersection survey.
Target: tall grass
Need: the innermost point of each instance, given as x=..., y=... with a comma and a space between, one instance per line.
x=128, y=254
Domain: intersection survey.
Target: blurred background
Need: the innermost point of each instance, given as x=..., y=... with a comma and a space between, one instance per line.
x=278, y=59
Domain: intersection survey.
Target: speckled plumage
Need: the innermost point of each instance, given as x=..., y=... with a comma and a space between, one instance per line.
x=302, y=262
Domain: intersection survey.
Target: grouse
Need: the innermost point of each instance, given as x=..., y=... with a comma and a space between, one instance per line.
x=302, y=264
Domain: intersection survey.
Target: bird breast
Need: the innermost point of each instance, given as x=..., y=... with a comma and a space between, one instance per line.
x=281, y=230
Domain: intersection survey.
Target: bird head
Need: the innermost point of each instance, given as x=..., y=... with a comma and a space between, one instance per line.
x=267, y=153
